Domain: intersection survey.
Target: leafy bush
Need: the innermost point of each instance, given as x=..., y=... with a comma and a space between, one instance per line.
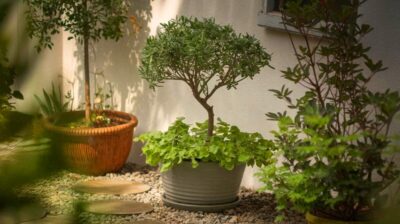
x=228, y=146
x=335, y=149
x=204, y=55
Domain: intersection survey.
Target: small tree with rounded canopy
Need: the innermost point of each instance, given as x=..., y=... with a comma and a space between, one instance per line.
x=204, y=55
x=85, y=20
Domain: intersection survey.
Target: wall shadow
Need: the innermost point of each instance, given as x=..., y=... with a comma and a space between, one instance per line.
x=119, y=63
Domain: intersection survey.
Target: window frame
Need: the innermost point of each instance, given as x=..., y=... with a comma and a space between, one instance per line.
x=268, y=17
x=272, y=20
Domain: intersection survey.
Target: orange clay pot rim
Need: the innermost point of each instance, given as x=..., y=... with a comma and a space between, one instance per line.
x=131, y=123
x=316, y=219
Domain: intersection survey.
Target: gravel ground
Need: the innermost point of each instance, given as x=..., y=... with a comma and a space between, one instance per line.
x=58, y=199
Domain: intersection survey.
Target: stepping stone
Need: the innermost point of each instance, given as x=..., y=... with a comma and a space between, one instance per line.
x=111, y=187
x=53, y=219
x=117, y=207
x=147, y=221
x=26, y=213
x=32, y=213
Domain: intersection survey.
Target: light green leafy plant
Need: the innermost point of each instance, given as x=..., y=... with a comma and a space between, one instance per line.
x=228, y=146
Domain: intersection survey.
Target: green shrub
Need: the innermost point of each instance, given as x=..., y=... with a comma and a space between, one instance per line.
x=228, y=146
x=204, y=55
x=335, y=151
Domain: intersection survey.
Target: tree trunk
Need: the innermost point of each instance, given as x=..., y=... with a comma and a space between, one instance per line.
x=87, y=79
x=87, y=74
x=210, y=111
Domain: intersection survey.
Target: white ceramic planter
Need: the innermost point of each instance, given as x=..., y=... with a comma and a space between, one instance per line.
x=208, y=187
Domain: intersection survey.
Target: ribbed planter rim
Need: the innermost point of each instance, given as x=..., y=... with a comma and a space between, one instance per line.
x=207, y=188
x=213, y=162
x=131, y=121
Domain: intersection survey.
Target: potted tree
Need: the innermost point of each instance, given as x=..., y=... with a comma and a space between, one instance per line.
x=333, y=152
x=100, y=142
x=202, y=166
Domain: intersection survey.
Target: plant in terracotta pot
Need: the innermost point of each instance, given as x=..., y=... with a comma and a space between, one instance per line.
x=202, y=166
x=334, y=152
x=100, y=142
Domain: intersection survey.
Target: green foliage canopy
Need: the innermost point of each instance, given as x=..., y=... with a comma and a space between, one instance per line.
x=94, y=19
x=204, y=55
x=196, y=51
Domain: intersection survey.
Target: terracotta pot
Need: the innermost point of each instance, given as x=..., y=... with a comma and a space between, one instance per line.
x=312, y=219
x=208, y=187
x=95, y=151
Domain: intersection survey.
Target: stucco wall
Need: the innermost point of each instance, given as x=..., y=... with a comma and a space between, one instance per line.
x=245, y=106
x=45, y=67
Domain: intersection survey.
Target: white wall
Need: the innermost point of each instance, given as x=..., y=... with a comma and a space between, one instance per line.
x=245, y=106
x=46, y=69
x=46, y=65
x=384, y=17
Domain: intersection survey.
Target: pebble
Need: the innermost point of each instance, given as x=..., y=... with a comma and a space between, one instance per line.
x=58, y=198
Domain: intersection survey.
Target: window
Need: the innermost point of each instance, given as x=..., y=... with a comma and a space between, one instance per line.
x=270, y=16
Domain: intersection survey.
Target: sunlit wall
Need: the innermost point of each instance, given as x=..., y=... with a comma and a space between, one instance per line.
x=245, y=106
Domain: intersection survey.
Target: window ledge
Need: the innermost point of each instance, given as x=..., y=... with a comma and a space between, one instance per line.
x=273, y=21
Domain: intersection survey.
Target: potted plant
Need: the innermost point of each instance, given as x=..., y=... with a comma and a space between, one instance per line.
x=202, y=166
x=333, y=151
x=97, y=142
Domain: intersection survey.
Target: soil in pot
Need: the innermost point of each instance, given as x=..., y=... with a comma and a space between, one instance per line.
x=99, y=119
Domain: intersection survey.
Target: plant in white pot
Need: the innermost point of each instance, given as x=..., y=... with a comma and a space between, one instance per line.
x=202, y=166
x=96, y=142
x=336, y=152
